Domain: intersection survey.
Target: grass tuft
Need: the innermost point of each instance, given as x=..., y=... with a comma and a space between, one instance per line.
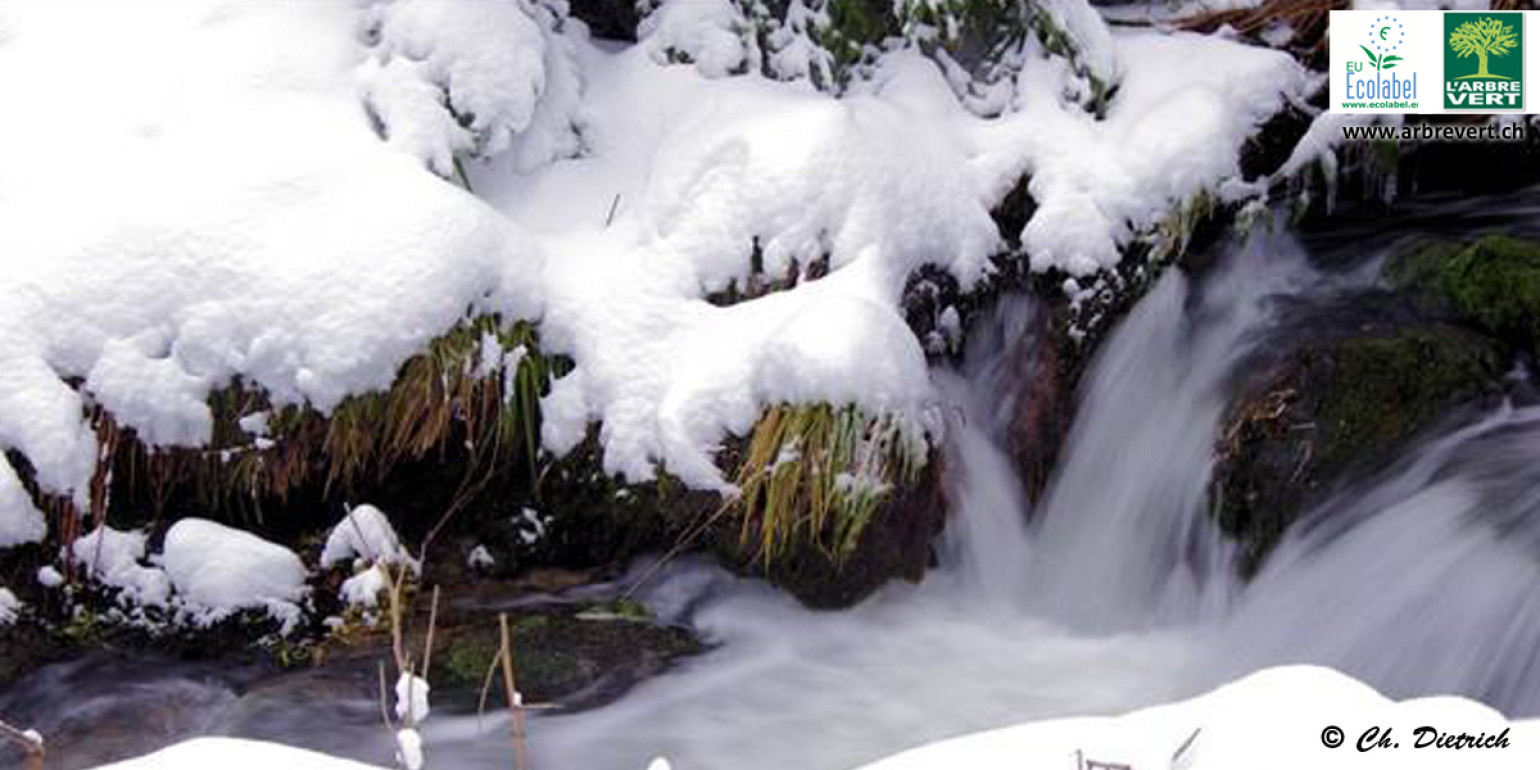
x=817, y=473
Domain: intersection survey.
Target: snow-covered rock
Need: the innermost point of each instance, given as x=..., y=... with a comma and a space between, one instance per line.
x=115, y=558
x=217, y=571
x=448, y=79
x=270, y=233
x=194, y=193
x=366, y=536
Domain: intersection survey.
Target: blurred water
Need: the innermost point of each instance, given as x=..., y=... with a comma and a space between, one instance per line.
x=1116, y=593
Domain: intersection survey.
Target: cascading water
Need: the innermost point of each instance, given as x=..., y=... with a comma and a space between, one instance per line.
x=1117, y=592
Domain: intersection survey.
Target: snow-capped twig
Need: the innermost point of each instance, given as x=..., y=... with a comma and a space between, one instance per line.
x=28, y=740
x=518, y=726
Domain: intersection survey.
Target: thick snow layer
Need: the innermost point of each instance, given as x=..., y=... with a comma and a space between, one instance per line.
x=366, y=536
x=501, y=64
x=168, y=227
x=10, y=606
x=235, y=754
x=20, y=520
x=1277, y=718
x=114, y=558
x=193, y=192
x=217, y=571
x=1185, y=106
x=687, y=173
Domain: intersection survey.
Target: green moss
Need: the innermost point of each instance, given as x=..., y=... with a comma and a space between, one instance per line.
x=1385, y=390
x=1492, y=283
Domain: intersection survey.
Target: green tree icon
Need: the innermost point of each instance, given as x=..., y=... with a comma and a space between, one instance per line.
x=1484, y=38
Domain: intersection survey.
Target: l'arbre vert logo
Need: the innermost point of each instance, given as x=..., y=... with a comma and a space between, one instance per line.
x=1484, y=61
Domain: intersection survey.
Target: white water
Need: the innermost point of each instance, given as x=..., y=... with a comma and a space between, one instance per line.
x=1118, y=594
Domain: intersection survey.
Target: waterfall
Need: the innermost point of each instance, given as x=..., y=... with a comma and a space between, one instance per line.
x=1115, y=592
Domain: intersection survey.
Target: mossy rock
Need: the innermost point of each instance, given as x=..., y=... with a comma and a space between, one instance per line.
x=574, y=656
x=1332, y=409
x=1492, y=283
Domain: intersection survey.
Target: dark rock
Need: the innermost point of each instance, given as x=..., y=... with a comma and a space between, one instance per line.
x=1037, y=387
x=1492, y=283
x=895, y=544
x=608, y=19
x=1339, y=404
x=573, y=656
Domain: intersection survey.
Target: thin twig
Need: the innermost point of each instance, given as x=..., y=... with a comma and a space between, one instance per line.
x=515, y=704
x=29, y=742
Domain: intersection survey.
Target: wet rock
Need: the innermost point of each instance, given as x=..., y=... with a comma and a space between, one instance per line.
x=1334, y=406
x=572, y=656
x=895, y=545
x=1492, y=283
x=109, y=707
x=1037, y=389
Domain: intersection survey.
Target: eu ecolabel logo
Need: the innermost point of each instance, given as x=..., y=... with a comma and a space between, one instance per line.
x=1484, y=61
x=1375, y=78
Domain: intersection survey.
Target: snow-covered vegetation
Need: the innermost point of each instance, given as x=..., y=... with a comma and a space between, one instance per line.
x=266, y=214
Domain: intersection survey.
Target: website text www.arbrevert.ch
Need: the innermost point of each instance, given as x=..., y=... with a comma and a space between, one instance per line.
x=1425, y=132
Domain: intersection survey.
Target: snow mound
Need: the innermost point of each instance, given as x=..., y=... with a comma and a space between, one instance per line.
x=366, y=536
x=20, y=520
x=218, y=571
x=1274, y=718
x=114, y=558
x=235, y=754
x=168, y=227
x=473, y=78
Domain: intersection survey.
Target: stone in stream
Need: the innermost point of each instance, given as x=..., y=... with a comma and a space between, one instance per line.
x=1359, y=380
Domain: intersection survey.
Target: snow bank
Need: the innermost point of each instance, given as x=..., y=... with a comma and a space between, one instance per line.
x=195, y=192
x=247, y=219
x=235, y=754
x=687, y=175
x=1274, y=718
x=218, y=571
x=20, y=520
x=1186, y=105
x=473, y=78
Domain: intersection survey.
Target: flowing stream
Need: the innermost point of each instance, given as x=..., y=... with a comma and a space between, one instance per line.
x=1116, y=592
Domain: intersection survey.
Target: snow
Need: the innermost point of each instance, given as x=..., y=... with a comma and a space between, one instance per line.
x=411, y=699
x=217, y=571
x=10, y=607
x=499, y=63
x=169, y=225
x=365, y=535
x=364, y=588
x=294, y=233
x=235, y=754
x=480, y=558
x=409, y=748
x=20, y=520
x=707, y=33
x=113, y=558
x=1273, y=718
x=48, y=577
